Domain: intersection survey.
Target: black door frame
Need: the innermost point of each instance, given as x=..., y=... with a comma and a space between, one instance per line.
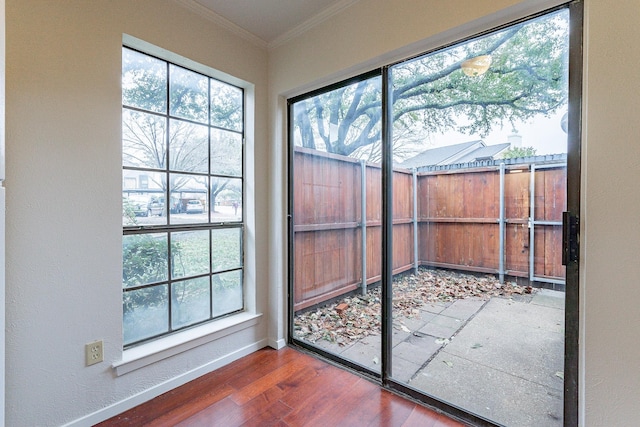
x=574, y=136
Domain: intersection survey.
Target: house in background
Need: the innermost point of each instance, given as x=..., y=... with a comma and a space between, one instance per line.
x=466, y=152
x=63, y=187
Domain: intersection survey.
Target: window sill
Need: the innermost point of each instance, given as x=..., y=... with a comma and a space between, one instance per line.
x=146, y=354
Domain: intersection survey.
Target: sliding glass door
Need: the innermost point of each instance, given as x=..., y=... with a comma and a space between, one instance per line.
x=336, y=218
x=479, y=186
x=427, y=238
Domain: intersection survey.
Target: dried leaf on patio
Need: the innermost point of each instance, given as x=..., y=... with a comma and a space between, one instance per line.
x=357, y=316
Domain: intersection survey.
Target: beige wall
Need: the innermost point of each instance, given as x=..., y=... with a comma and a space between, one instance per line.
x=63, y=230
x=374, y=32
x=611, y=204
x=365, y=35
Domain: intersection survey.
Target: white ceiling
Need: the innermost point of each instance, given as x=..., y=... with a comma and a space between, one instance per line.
x=269, y=20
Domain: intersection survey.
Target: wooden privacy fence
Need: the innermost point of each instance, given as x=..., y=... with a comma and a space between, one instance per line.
x=502, y=219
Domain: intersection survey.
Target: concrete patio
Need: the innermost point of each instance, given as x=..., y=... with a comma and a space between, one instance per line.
x=500, y=358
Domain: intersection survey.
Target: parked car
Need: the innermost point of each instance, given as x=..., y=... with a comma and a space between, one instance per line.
x=135, y=205
x=156, y=206
x=194, y=207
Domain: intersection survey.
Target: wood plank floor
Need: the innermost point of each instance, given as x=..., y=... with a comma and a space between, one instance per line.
x=280, y=388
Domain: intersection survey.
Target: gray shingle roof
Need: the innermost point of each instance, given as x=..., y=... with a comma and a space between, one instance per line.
x=482, y=153
x=435, y=156
x=456, y=153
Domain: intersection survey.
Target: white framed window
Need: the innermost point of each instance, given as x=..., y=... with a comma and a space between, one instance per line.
x=183, y=194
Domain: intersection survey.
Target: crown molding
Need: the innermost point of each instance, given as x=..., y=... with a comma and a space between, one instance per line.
x=206, y=13
x=310, y=23
x=210, y=15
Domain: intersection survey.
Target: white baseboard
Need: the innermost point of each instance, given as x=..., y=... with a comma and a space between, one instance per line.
x=277, y=344
x=157, y=390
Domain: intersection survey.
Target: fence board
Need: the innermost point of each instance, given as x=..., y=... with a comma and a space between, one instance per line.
x=517, y=249
x=374, y=194
x=325, y=262
x=550, y=188
x=402, y=246
x=330, y=190
x=516, y=195
x=548, y=254
x=374, y=253
x=402, y=195
x=476, y=245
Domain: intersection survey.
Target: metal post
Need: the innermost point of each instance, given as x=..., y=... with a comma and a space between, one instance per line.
x=415, y=220
x=532, y=212
x=387, y=228
x=363, y=222
x=501, y=225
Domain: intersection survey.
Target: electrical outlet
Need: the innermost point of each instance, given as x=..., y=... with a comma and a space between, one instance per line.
x=94, y=353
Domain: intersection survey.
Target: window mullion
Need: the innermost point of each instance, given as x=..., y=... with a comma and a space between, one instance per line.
x=167, y=200
x=209, y=198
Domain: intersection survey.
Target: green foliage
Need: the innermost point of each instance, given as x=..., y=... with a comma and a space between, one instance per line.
x=190, y=301
x=144, y=81
x=188, y=94
x=432, y=95
x=515, y=152
x=226, y=106
x=193, y=257
x=128, y=211
x=226, y=249
x=145, y=259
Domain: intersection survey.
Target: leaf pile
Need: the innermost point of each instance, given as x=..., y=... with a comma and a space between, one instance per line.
x=355, y=317
x=360, y=319
x=446, y=286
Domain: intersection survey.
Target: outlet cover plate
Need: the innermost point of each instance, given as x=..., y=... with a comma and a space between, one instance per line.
x=94, y=352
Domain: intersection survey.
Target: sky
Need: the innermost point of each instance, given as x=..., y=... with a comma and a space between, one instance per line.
x=543, y=134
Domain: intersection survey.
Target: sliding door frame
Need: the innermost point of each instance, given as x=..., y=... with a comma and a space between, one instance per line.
x=290, y=231
x=574, y=134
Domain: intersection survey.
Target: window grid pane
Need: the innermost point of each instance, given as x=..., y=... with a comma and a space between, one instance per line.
x=182, y=197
